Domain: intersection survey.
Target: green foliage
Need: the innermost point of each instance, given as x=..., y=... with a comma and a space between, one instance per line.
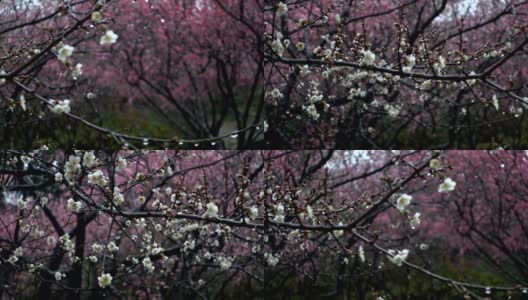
x=488, y=130
x=60, y=132
x=362, y=282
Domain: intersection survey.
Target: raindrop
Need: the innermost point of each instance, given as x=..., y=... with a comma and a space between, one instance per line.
x=524, y=290
x=145, y=142
x=488, y=290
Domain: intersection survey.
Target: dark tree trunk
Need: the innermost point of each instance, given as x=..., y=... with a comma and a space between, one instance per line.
x=76, y=273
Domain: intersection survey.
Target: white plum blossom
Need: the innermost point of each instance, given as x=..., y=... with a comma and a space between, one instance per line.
x=305, y=70
x=88, y=159
x=96, y=17
x=282, y=9
x=32, y=268
x=58, y=276
x=426, y=85
x=12, y=259
x=112, y=247
x=97, y=248
x=72, y=167
x=392, y=110
x=277, y=47
x=398, y=257
x=189, y=245
x=516, y=111
x=294, y=234
x=2, y=80
x=309, y=212
x=65, y=52
x=315, y=97
x=338, y=19
x=225, y=263
x=403, y=201
x=108, y=38
x=253, y=212
x=77, y=71
x=104, y=280
x=212, y=210
x=368, y=58
x=271, y=259
x=447, y=186
x=275, y=93
x=312, y=111
x=60, y=106
x=440, y=65
x=98, y=178
x=22, y=101
x=200, y=282
x=495, y=102
x=75, y=206
x=279, y=213
x=434, y=164
x=21, y=203
x=300, y=46
x=339, y=233
x=147, y=263
x=121, y=164
x=415, y=220
x=472, y=82
x=410, y=62
x=118, y=197
x=246, y=195
x=361, y=253
x=26, y=160
x=66, y=243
